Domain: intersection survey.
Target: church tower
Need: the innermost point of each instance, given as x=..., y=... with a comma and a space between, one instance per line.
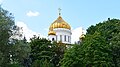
x=60, y=31
x=81, y=38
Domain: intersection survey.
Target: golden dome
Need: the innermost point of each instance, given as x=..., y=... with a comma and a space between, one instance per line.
x=59, y=23
x=51, y=33
x=82, y=36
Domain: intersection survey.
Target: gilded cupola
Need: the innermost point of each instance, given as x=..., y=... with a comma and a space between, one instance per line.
x=51, y=33
x=59, y=23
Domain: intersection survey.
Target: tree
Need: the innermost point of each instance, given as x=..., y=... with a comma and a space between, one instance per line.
x=72, y=57
x=59, y=50
x=13, y=49
x=45, y=52
x=42, y=50
x=42, y=63
x=109, y=39
x=6, y=26
x=96, y=51
x=115, y=46
x=100, y=48
x=20, y=53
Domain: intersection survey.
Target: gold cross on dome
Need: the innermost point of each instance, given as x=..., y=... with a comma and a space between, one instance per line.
x=59, y=9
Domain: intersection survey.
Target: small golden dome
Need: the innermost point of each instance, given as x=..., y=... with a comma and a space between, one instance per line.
x=59, y=23
x=51, y=33
x=82, y=36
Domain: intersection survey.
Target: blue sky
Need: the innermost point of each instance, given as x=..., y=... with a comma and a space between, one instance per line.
x=78, y=13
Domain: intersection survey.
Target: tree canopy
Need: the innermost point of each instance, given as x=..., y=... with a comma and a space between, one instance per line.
x=6, y=24
x=13, y=51
x=45, y=52
x=100, y=48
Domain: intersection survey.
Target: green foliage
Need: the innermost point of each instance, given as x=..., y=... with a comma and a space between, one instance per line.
x=6, y=25
x=108, y=39
x=20, y=51
x=41, y=49
x=15, y=65
x=59, y=51
x=96, y=51
x=100, y=48
x=72, y=57
x=45, y=52
x=42, y=63
x=12, y=50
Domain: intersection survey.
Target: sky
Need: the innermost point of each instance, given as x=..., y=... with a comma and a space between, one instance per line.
x=37, y=15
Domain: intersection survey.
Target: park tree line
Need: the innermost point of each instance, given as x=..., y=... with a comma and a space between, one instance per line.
x=99, y=48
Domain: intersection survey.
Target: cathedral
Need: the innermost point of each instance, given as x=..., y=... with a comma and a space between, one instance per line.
x=60, y=31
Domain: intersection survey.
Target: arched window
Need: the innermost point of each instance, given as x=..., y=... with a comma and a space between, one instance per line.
x=65, y=37
x=53, y=39
x=68, y=38
x=61, y=38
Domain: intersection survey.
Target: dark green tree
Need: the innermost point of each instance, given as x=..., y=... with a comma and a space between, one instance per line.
x=108, y=39
x=100, y=48
x=96, y=51
x=45, y=52
x=6, y=26
x=59, y=50
x=42, y=63
x=13, y=49
x=20, y=53
x=41, y=50
x=72, y=57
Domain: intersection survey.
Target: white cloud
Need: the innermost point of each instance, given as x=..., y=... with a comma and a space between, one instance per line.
x=76, y=33
x=32, y=13
x=27, y=32
x=1, y=1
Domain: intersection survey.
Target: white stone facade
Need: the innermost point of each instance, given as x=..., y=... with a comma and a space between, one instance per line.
x=62, y=35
